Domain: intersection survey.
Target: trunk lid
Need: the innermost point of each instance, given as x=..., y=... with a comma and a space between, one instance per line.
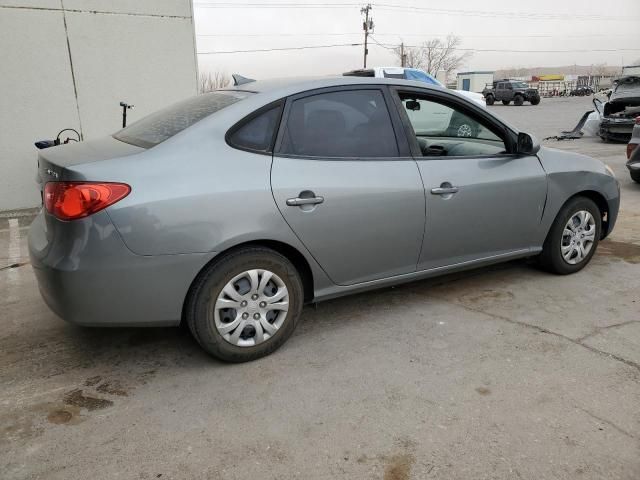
x=56, y=163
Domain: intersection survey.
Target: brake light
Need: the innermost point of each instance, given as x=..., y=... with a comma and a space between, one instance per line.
x=73, y=200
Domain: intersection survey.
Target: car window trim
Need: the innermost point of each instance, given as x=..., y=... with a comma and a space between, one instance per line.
x=475, y=112
x=404, y=152
x=248, y=118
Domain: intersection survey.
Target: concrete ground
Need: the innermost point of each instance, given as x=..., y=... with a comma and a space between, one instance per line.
x=501, y=373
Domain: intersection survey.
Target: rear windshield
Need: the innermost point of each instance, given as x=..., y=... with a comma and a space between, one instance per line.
x=165, y=123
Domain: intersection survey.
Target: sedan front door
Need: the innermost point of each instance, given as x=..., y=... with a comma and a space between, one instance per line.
x=347, y=185
x=482, y=202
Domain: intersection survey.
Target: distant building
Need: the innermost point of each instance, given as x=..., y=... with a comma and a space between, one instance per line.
x=70, y=66
x=474, y=81
x=631, y=70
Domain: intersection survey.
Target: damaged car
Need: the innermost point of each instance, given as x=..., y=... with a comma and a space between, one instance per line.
x=619, y=113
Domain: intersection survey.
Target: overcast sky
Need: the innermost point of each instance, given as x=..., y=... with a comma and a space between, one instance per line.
x=543, y=25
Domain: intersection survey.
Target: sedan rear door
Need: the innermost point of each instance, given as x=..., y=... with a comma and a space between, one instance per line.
x=345, y=182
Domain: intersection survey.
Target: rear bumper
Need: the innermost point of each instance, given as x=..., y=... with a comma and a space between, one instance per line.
x=616, y=129
x=87, y=276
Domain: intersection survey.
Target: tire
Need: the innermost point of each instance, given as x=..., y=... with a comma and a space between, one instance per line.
x=506, y=102
x=635, y=176
x=490, y=100
x=518, y=100
x=552, y=258
x=202, y=311
x=535, y=100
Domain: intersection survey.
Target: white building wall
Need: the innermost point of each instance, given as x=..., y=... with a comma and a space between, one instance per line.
x=68, y=63
x=477, y=80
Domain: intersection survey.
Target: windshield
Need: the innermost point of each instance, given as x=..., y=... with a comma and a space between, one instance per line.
x=163, y=124
x=519, y=85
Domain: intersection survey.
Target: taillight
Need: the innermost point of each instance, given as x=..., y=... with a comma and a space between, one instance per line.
x=630, y=148
x=73, y=200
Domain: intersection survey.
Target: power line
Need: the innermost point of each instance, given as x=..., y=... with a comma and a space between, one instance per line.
x=501, y=50
x=418, y=9
x=217, y=52
x=493, y=13
x=404, y=34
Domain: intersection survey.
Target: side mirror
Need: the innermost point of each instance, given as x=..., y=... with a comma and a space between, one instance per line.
x=527, y=144
x=412, y=105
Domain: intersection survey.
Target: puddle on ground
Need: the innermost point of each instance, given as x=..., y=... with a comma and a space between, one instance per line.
x=629, y=252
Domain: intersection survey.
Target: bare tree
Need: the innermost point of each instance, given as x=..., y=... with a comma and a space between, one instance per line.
x=211, y=81
x=435, y=55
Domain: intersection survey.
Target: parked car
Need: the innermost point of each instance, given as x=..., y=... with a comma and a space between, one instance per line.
x=507, y=91
x=581, y=91
x=230, y=210
x=411, y=74
x=619, y=112
x=633, y=152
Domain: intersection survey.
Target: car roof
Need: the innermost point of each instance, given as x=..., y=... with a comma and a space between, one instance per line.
x=293, y=85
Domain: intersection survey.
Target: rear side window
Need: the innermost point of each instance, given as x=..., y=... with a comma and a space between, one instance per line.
x=258, y=133
x=351, y=123
x=163, y=124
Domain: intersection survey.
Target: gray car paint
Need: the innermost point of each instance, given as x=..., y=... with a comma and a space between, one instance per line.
x=193, y=197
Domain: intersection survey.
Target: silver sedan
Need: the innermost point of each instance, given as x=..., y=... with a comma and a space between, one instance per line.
x=230, y=210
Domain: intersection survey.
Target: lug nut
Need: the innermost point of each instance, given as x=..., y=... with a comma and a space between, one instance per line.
x=256, y=316
x=243, y=303
x=245, y=315
x=263, y=304
x=254, y=297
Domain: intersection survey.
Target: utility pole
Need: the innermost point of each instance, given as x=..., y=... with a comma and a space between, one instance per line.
x=403, y=57
x=367, y=25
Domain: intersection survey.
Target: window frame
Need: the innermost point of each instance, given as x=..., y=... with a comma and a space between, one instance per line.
x=508, y=136
x=248, y=118
x=404, y=150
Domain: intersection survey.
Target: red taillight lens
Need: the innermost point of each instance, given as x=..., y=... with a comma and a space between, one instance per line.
x=72, y=200
x=630, y=148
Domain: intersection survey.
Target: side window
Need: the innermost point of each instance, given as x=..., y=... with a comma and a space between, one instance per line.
x=508, y=86
x=442, y=130
x=351, y=123
x=421, y=77
x=258, y=133
x=500, y=86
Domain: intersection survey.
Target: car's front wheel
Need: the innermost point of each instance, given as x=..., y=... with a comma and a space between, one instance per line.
x=490, y=99
x=246, y=305
x=573, y=237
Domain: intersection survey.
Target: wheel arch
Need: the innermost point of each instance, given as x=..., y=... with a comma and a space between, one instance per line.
x=291, y=253
x=600, y=201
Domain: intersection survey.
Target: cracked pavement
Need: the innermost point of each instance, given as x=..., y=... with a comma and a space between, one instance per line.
x=501, y=373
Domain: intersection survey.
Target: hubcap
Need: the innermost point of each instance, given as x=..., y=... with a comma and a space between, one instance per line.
x=464, y=130
x=251, y=307
x=578, y=237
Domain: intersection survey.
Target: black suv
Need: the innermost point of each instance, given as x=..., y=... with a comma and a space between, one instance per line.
x=507, y=90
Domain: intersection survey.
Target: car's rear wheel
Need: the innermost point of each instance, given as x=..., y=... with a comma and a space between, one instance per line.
x=535, y=100
x=490, y=99
x=635, y=176
x=518, y=100
x=573, y=237
x=246, y=305
x=506, y=102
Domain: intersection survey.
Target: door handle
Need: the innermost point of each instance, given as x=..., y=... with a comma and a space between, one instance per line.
x=298, y=201
x=444, y=190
